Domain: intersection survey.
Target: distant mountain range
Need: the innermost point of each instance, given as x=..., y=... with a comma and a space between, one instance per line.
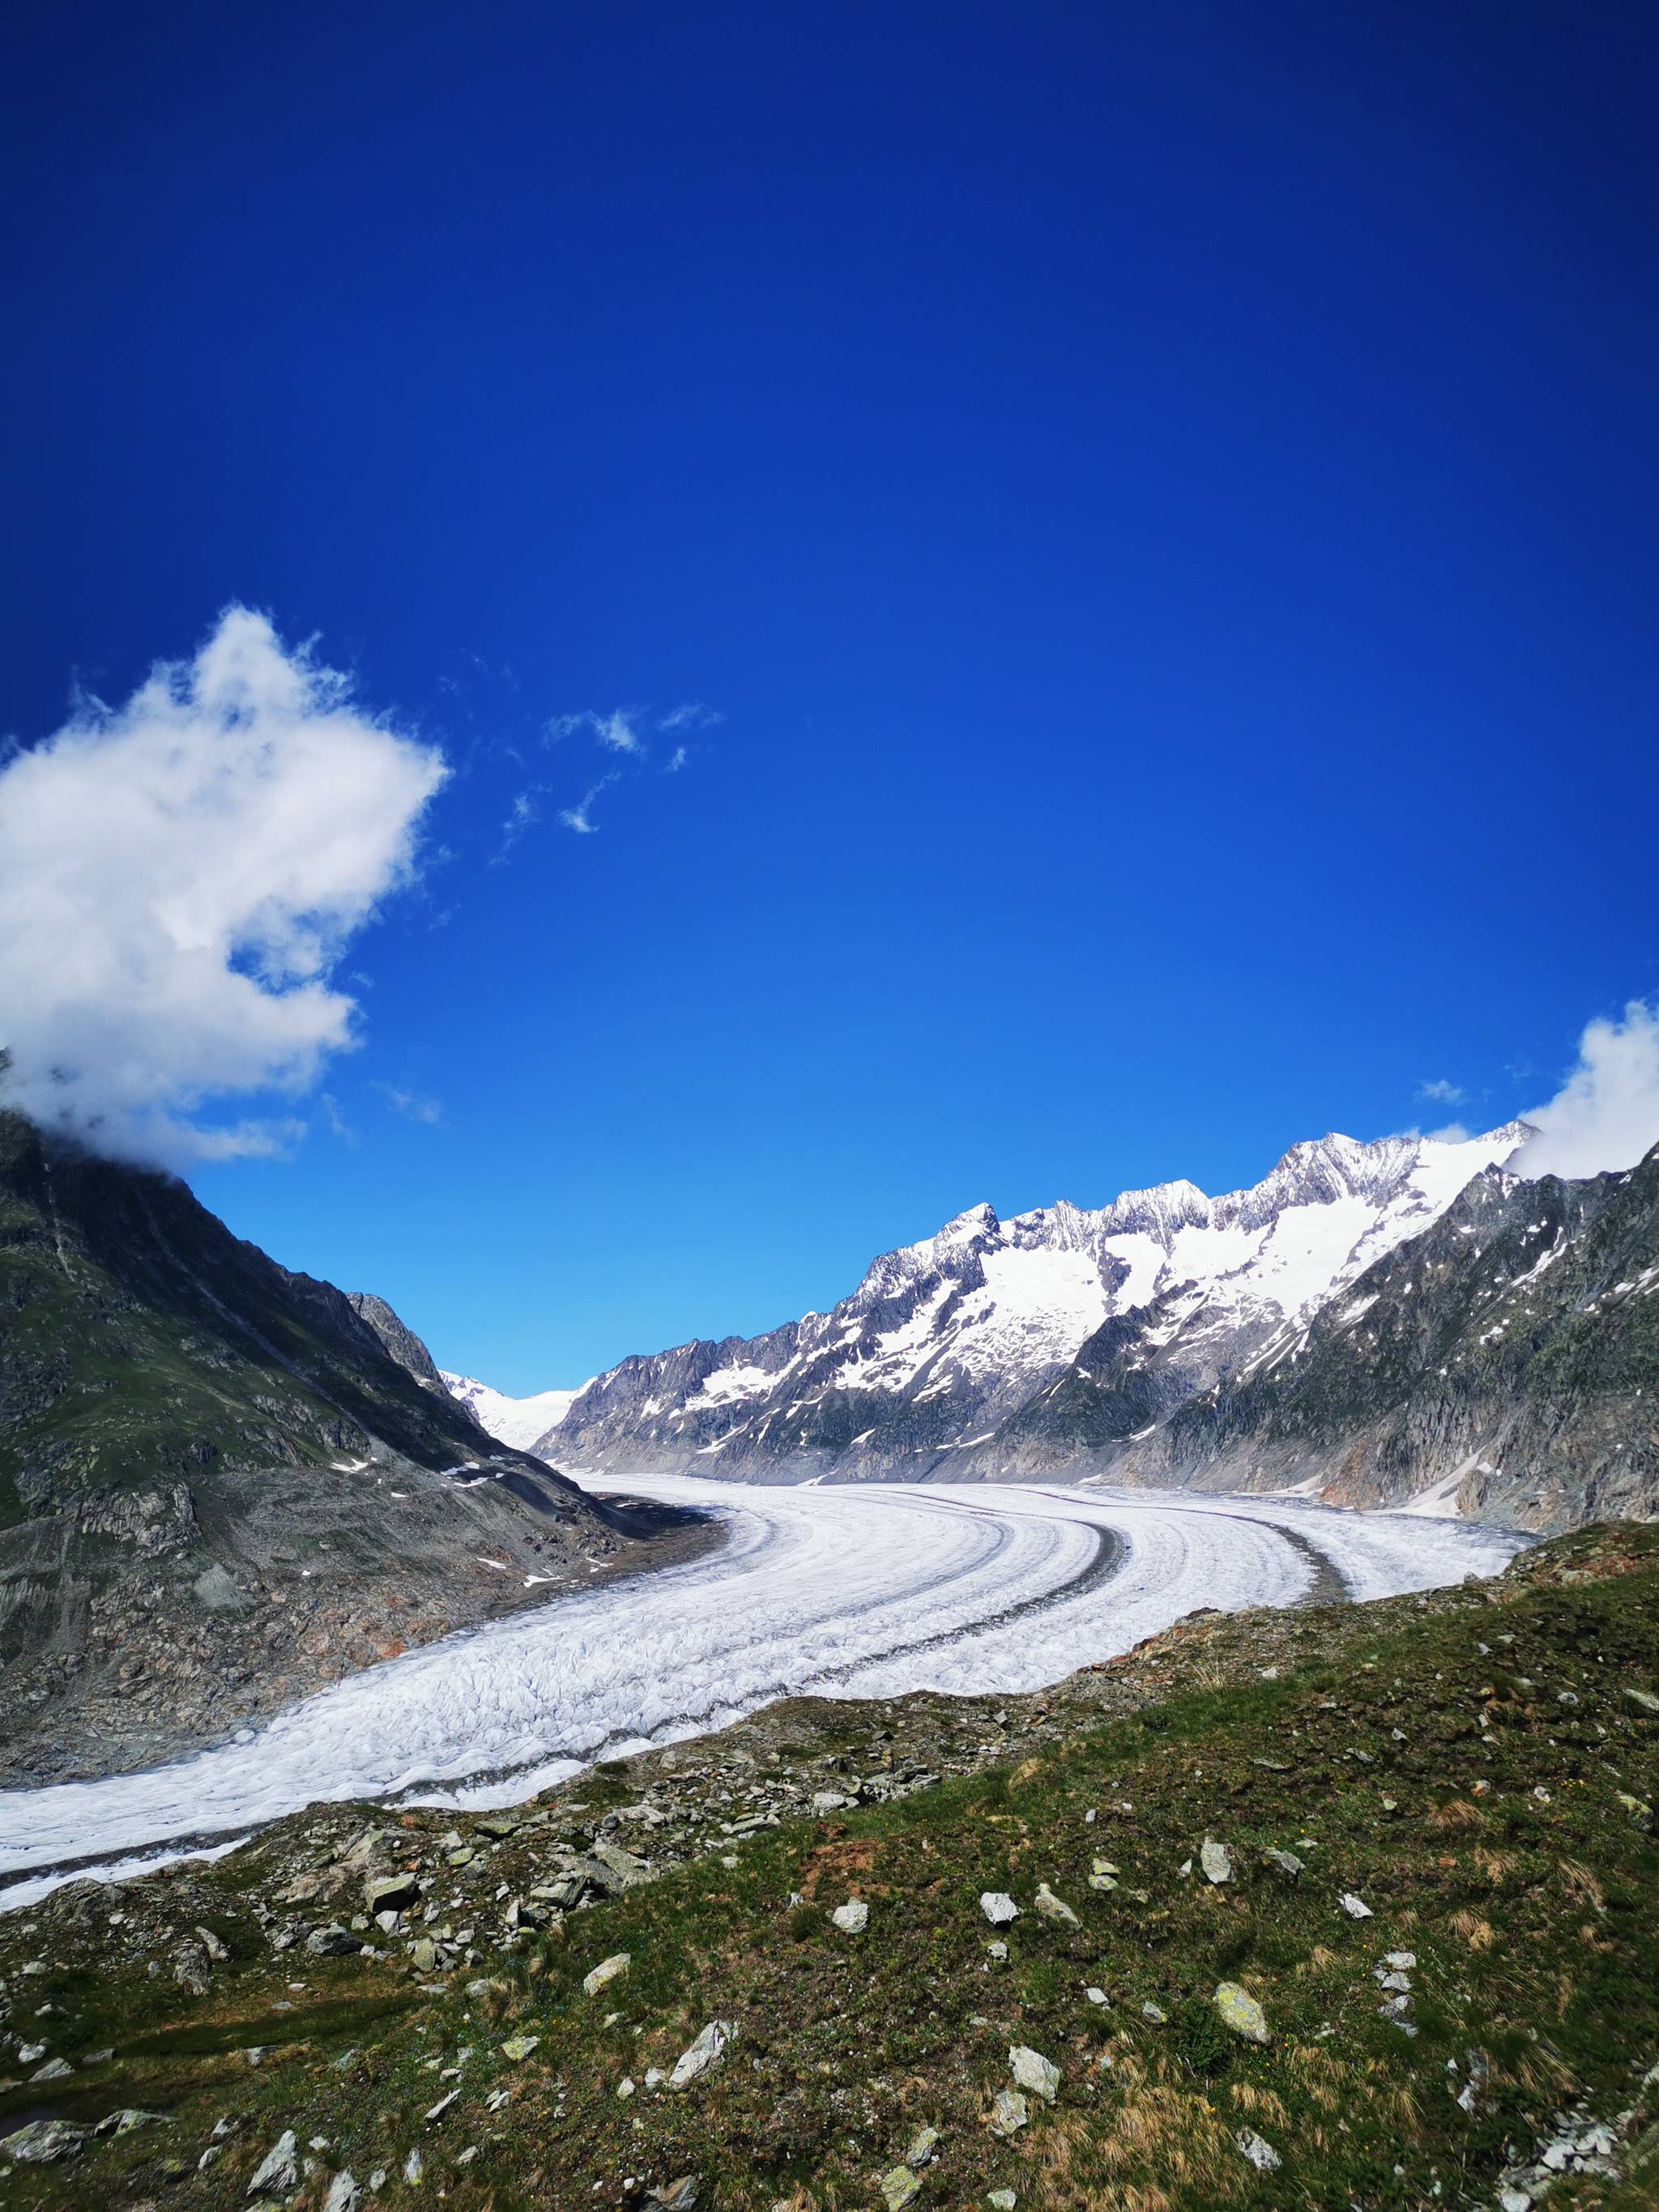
x=1376, y=1324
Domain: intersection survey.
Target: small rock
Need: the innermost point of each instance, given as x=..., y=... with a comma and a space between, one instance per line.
x=607, y=1971
x=625, y=2088
x=997, y=1951
x=344, y=2194
x=414, y=2167
x=1001, y=2200
x=923, y=2144
x=278, y=2170
x=1097, y=1996
x=1259, y=2152
x=1216, y=1860
x=679, y=2195
x=1033, y=2072
x=55, y=2070
x=707, y=2051
x=1240, y=2011
x=390, y=1893
x=1285, y=1863
x=1643, y=1700
x=1156, y=2014
x=1010, y=2112
x=998, y=1907
x=852, y=1919
x=899, y=2187
x=1055, y=1908
x=1355, y=1907
x=518, y=2047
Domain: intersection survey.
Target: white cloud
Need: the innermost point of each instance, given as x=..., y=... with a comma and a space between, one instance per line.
x=1442, y=1092
x=615, y=730
x=1605, y=1114
x=177, y=879
x=693, y=715
x=411, y=1104
x=578, y=817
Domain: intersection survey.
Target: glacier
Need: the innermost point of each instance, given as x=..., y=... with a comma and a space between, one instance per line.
x=841, y=1592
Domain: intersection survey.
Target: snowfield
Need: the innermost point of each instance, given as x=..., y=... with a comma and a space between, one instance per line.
x=848, y=1592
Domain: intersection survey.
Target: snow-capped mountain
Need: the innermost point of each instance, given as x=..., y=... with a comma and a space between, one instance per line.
x=932, y=1362
x=521, y=1422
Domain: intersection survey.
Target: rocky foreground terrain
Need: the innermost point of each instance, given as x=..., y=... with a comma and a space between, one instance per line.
x=1346, y=1906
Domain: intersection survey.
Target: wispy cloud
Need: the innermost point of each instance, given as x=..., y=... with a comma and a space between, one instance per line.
x=337, y=1123
x=1442, y=1092
x=614, y=731
x=672, y=766
x=178, y=877
x=411, y=1105
x=578, y=817
x=1605, y=1114
x=522, y=813
x=693, y=715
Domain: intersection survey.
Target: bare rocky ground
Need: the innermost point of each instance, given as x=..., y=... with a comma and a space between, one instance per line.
x=165, y=1619
x=1344, y=1907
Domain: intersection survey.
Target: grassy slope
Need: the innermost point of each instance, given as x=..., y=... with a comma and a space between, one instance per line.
x=1528, y=1904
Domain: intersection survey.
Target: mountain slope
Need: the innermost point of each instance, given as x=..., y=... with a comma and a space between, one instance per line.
x=1504, y=1363
x=944, y=1342
x=218, y=1484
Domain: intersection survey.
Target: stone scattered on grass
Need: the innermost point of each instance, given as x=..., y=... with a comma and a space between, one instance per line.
x=678, y=2196
x=1645, y=1700
x=998, y=1907
x=1285, y=1863
x=998, y=1951
x=414, y=2167
x=1009, y=2114
x=1355, y=1907
x=707, y=2051
x=607, y=1971
x=1156, y=2014
x=1001, y=2200
x=1055, y=1908
x=923, y=2144
x=1216, y=1860
x=1240, y=2011
x=278, y=2170
x=389, y=1893
x=344, y=2194
x=1033, y=2072
x=853, y=1918
x=1259, y=2152
x=899, y=2187
x=518, y=2047
x=1098, y=1996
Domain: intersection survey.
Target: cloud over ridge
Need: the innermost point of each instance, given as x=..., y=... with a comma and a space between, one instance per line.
x=1606, y=1115
x=178, y=878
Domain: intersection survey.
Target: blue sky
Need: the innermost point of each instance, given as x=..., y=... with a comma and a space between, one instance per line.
x=1159, y=500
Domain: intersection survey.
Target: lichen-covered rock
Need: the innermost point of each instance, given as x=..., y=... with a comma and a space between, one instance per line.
x=607, y=1970
x=1240, y=2011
